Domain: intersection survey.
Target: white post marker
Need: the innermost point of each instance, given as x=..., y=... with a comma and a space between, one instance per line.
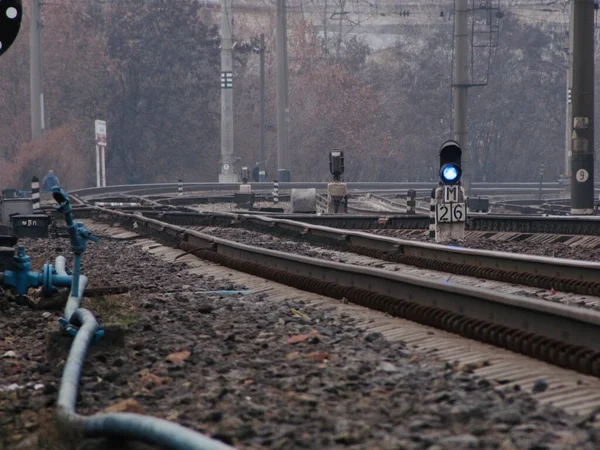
x=411, y=201
x=450, y=213
x=275, y=191
x=180, y=188
x=98, y=182
x=100, y=126
x=103, y=164
x=432, y=214
x=35, y=193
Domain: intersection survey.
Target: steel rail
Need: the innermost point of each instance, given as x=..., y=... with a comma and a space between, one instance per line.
x=567, y=275
x=403, y=205
x=478, y=188
x=539, y=265
x=553, y=332
x=562, y=225
x=533, y=264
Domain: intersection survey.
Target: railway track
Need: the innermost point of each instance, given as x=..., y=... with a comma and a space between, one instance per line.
x=526, y=225
x=365, y=218
x=513, y=282
x=508, y=372
x=558, y=333
x=577, y=277
x=547, y=273
x=563, y=335
x=243, y=365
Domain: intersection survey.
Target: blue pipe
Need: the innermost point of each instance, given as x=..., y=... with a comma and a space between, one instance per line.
x=22, y=278
x=83, y=325
x=79, y=236
x=147, y=429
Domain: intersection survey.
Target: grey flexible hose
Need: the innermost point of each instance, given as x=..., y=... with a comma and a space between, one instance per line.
x=125, y=425
x=73, y=301
x=60, y=264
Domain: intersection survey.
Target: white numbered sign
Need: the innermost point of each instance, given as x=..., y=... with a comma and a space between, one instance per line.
x=450, y=212
x=451, y=194
x=582, y=175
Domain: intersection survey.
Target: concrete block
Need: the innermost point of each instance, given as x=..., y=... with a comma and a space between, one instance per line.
x=304, y=201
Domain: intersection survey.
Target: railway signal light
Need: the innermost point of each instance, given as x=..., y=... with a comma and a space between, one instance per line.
x=450, y=162
x=11, y=12
x=336, y=163
x=245, y=174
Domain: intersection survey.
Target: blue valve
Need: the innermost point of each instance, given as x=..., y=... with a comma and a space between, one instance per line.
x=22, y=278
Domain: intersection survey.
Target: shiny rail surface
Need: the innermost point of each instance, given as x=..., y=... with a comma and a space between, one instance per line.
x=422, y=187
x=562, y=225
x=555, y=333
x=566, y=269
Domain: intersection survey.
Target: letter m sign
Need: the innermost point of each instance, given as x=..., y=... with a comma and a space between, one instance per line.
x=451, y=194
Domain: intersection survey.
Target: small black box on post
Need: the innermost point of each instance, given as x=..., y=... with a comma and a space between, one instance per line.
x=336, y=164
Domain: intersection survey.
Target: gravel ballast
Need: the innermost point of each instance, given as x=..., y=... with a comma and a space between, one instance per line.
x=254, y=372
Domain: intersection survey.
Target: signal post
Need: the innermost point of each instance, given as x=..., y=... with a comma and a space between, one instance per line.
x=450, y=207
x=337, y=191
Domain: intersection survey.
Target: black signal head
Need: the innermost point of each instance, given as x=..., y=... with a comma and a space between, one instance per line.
x=11, y=12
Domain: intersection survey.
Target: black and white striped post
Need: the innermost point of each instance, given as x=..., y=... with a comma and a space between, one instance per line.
x=432, y=215
x=410, y=201
x=180, y=187
x=35, y=193
x=275, y=191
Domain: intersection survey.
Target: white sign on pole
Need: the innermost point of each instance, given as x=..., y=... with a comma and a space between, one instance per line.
x=451, y=194
x=450, y=212
x=582, y=175
x=101, y=132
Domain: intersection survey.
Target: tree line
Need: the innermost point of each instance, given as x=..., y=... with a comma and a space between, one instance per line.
x=154, y=75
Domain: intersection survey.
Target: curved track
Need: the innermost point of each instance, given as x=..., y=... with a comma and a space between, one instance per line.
x=566, y=336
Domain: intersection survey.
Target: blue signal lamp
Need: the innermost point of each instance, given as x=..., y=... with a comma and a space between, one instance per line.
x=450, y=162
x=450, y=173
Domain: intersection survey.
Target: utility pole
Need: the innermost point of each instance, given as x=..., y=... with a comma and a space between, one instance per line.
x=568, y=120
x=261, y=158
x=582, y=113
x=461, y=84
x=283, y=155
x=35, y=72
x=228, y=173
